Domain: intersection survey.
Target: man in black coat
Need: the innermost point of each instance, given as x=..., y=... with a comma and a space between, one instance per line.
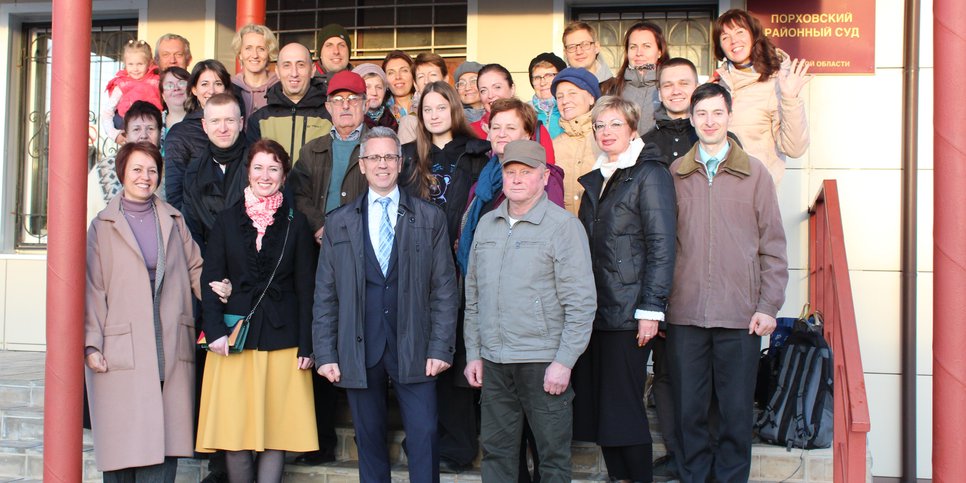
x=385, y=309
x=673, y=133
x=216, y=179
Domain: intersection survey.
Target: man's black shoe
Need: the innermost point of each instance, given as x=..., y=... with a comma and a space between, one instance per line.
x=216, y=477
x=666, y=467
x=448, y=466
x=316, y=458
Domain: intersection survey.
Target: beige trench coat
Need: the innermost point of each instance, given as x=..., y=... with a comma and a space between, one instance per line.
x=133, y=423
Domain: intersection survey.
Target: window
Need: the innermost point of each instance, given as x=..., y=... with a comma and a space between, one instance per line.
x=686, y=29
x=376, y=26
x=107, y=39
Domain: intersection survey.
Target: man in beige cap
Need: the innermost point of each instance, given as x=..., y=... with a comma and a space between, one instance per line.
x=530, y=305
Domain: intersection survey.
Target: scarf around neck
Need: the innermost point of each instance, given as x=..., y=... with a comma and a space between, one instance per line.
x=232, y=153
x=545, y=105
x=262, y=212
x=626, y=159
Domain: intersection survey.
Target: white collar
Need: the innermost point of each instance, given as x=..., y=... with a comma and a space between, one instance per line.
x=393, y=196
x=626, y=159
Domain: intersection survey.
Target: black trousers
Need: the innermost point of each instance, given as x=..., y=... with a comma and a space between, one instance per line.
x=664, y=395
x=727, y=361
x=458, y=440
x=325, y=395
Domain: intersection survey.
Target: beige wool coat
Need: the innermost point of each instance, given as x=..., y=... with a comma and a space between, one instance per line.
x=576, y=152
x=133, y=423
x=770, y=126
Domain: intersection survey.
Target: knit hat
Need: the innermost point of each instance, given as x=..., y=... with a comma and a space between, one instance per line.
x=550, y=57
x=334, y=30
x=346, y=80
x=578, y=76
x=366, y=69
x=466, y=68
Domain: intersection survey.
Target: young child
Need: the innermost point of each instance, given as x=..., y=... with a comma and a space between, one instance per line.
x=137, y=81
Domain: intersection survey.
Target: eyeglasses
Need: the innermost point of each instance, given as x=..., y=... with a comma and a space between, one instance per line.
x=610, y=126
x=583, y=46
x=181, y=84
x=377, y=159
x=545, y=78
x=136, y=43
x=466, y=84
x=353, y=100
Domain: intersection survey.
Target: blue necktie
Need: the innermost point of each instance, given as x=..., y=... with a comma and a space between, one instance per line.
x=712, y=165
x=386, y=236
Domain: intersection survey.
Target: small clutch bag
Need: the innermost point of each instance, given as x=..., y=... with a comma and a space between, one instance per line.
x=236, y=338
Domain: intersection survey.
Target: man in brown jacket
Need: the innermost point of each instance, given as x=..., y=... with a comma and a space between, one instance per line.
x=729, y=283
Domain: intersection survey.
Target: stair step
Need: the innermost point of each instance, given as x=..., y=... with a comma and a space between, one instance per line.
x=22, y=424
x=24, y=459
x=21, y=394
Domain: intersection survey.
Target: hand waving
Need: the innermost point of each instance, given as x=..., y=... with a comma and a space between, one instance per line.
x=792, y=80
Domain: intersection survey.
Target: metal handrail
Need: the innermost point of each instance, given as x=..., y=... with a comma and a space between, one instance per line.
x=830, y=292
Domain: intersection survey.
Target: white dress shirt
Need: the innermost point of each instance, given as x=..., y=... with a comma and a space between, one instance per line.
x=376, y=214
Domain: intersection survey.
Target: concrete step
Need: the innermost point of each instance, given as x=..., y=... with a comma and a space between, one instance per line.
x=24, y=459
x=22, y=424
x=21, y=443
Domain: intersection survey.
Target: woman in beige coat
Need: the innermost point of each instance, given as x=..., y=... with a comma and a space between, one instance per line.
x=765, y=83
x=575, y=90
x=142, y=267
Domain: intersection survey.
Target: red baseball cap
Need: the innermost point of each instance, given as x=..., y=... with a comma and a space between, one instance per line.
x=346, y=80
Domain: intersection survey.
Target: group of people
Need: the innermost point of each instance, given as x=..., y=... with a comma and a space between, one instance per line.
x=507, y=268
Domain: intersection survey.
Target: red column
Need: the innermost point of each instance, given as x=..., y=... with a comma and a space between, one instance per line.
x=246, y=12
x=249, y=11
x=66, y=211
x=949, y=243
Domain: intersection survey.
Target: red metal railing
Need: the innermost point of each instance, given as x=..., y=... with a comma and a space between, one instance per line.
x=830, y=292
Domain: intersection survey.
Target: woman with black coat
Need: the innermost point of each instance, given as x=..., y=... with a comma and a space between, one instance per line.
x=629, y=211
x=258, y=400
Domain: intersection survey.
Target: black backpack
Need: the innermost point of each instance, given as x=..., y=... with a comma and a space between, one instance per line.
x=798, y=412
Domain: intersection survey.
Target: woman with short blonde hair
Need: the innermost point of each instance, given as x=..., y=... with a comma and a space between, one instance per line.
x=255, y=46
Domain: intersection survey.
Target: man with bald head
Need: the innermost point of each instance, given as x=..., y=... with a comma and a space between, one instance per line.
x=295, y=113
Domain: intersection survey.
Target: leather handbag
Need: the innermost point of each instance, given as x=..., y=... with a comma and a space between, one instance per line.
x=239, y=324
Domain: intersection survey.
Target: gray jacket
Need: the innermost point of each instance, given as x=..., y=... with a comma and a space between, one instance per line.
x=641, y=90
x=530, y=294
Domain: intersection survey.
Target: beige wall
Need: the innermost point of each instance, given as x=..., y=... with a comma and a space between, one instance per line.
x=510, y=33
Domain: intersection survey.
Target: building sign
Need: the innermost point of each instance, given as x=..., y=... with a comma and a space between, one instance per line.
x=836, y=37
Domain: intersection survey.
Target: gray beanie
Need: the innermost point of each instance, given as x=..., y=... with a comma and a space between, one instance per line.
x=366, y=69
x=466, y=68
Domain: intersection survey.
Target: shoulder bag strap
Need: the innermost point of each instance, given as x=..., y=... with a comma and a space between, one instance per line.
x=279, y=262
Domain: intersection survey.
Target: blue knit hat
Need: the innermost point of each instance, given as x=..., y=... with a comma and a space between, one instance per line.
x=579, y=77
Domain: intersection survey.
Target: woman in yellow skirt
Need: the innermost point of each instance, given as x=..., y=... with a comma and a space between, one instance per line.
x=257, y=404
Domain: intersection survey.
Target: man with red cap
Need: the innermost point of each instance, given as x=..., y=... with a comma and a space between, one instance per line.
x=327, y=175
x=295, y=113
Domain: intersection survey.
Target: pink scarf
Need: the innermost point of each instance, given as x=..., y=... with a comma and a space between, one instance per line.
x=262, y=212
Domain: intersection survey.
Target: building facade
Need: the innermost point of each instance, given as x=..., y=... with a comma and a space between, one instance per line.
x=855, y=123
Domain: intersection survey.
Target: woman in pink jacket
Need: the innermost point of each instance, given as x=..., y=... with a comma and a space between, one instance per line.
x=765, y=83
